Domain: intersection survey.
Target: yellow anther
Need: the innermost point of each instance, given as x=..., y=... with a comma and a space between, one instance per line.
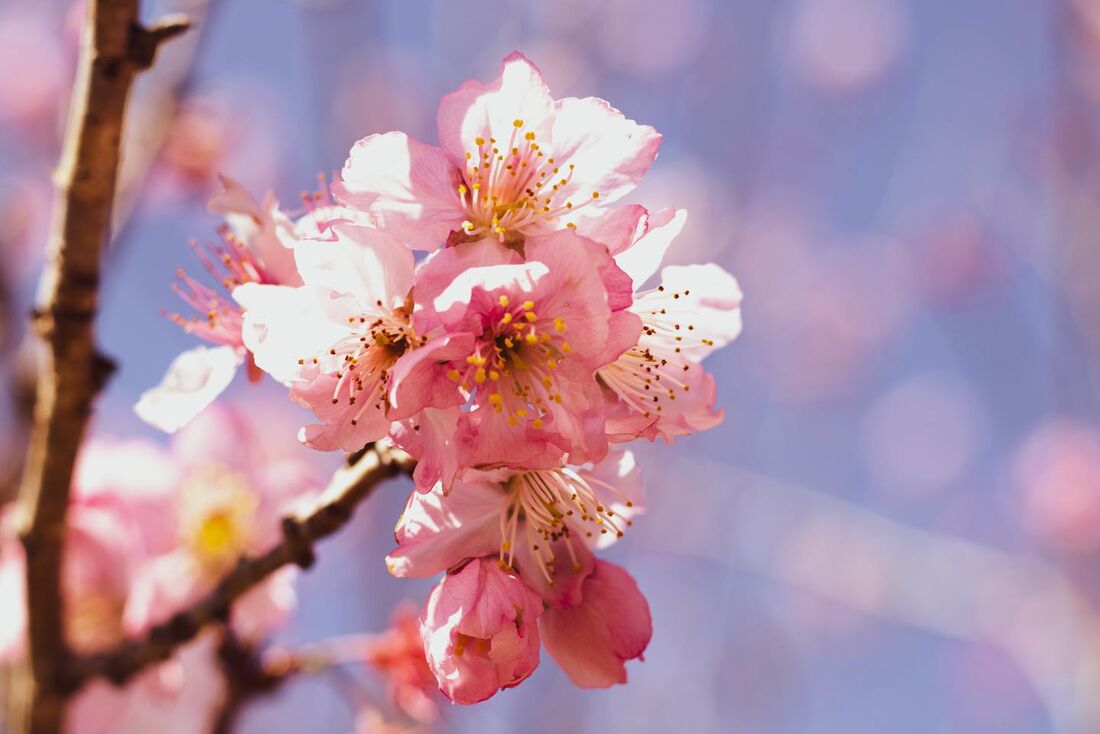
x=551, y=364
x=468, y=226
x=512, y=420
x=480, y=141
x=504, y=301
x=537, y=423
x=531, y=338
x=547, y=382
x=559, y=324
x=530, y=136
x=462, y=189
x=507, y=319
x=480, y=375
x=475, y=360
x=530, y=316
x=518, y=123
x=571, y=225
x=595, y=194
x=565, y=348
x=528, y=305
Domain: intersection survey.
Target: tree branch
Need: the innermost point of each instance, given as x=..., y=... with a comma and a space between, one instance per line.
x=115, y=48
x=348, y=488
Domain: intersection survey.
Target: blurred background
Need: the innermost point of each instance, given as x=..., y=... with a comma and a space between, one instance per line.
x=897, y=528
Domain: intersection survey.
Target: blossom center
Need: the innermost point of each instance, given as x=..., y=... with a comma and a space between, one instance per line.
x=547, y=506
x=513, y=367
x=362, y=360
x=508, y=189
x=216, y=509
x=650, y=374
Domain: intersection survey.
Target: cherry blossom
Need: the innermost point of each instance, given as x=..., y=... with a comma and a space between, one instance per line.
x=257, y=247
x=336, y=339
x=517, y=344
x=659, y=387
x=513, y=164
x=544, y=523
x=480, y=631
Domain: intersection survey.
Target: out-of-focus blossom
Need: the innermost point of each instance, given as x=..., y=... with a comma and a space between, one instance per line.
x=398, y=655
x=846, y=45
x=921, y=436
x=228, y=503
x=1057, y=475
x=121, y=493
x=611, y=625
x=480, y=631
x=336, y=339
x=513, y=164
x=30, y=41
x=257, y=247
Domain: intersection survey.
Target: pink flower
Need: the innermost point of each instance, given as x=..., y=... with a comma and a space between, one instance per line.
x=257, y=247
x=480, y=631
x=513, y=164
x=543, y=523
x=336, y=339
x=228, y=502
x=398, y=654
x=121, y=493
x=659, y=387
x=517, y=344
x=592, y=640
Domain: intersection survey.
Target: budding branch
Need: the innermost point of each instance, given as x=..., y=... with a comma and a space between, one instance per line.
x=114, y=49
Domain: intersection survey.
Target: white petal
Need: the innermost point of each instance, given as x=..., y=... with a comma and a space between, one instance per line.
x=193, y=380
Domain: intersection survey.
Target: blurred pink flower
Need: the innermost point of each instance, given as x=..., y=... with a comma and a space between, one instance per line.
x=513, y=164
x=398, y=655
x=480, y=631
x=122, y=492
x=1057, y=475
x=611, y=625
x=229, y=501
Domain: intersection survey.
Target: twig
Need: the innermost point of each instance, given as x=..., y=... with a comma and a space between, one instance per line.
x=348, y=488
x=115, y=48
x=245, y=678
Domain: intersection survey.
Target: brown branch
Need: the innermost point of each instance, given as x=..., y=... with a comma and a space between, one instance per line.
x=246, y=678
x=348, y=488
x=115, y=48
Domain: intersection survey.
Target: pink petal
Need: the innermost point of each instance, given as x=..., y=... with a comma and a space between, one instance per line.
x=430, y=439
x=193, y=381
x=336, y=430
x=436, y=532
x=360, y=261
x=592, y=641
x=408, y=188
x=491, y=110
x=609, y=153
x=419, y=379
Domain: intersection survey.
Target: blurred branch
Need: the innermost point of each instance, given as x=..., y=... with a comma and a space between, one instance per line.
x=246, y=677
x=115, y=48
x=348, y=488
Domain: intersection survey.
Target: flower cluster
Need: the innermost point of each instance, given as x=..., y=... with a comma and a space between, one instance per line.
x=513, y=360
